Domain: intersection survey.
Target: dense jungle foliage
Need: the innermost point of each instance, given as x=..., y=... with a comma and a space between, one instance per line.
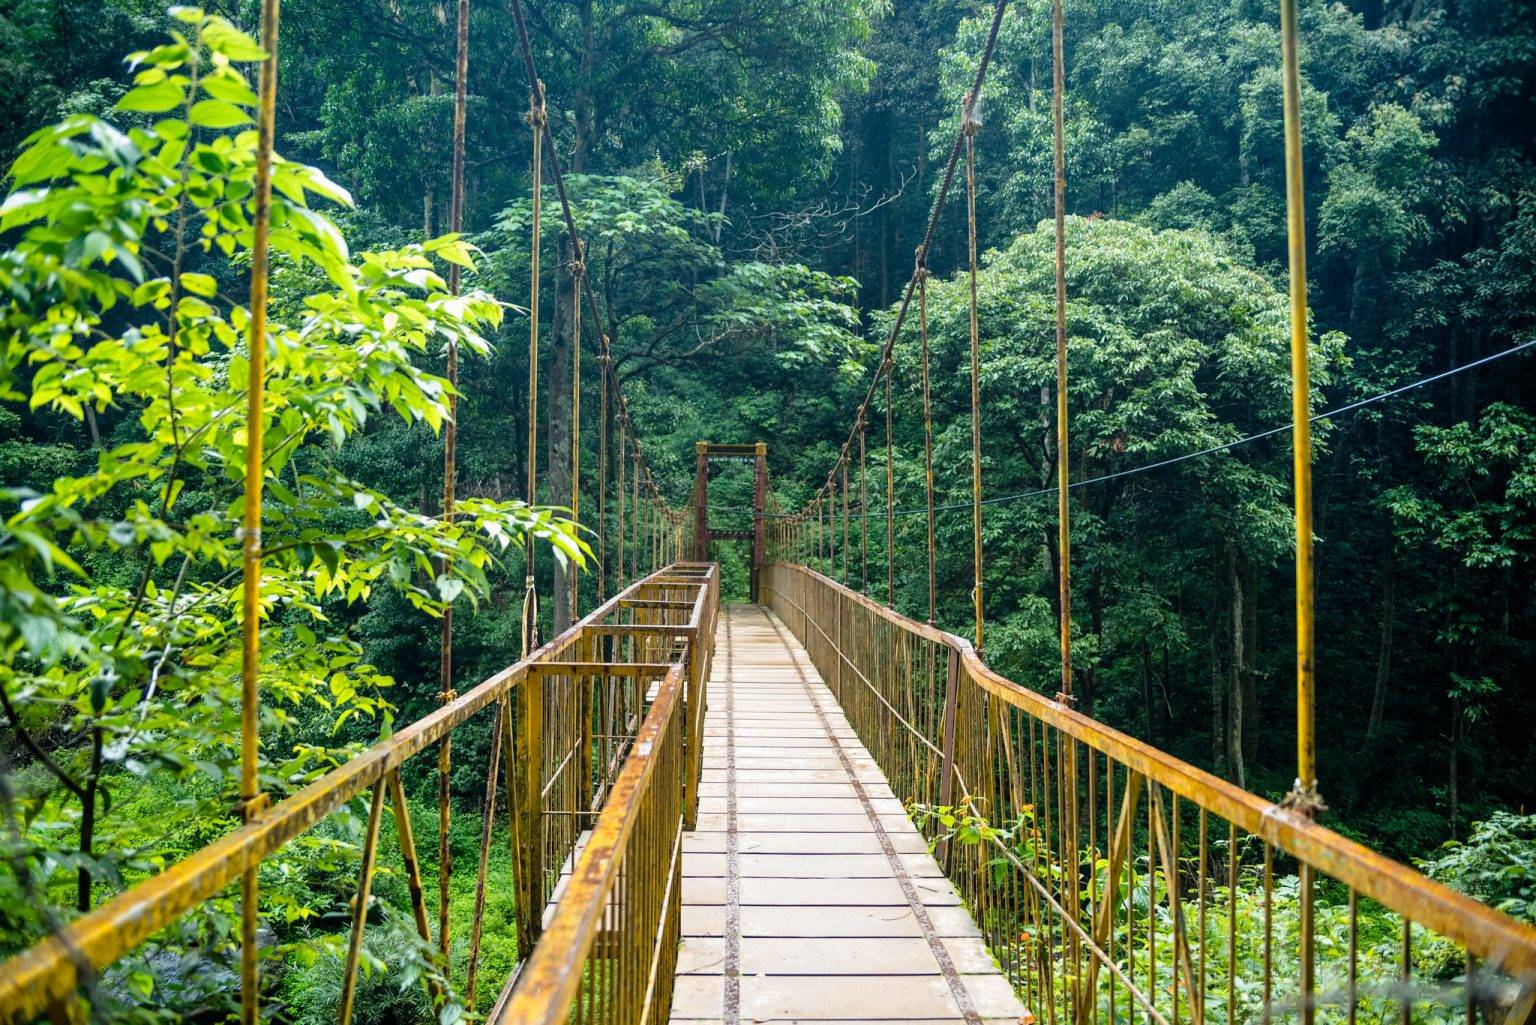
x=752, y=179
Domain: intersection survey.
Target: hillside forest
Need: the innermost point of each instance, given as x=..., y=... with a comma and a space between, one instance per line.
x=752, y=179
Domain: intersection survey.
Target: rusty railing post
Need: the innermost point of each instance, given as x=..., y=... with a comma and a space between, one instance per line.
x=837, y=645
x=947, y=755
x=701, y=502
x=759, y=498
x=527, y=812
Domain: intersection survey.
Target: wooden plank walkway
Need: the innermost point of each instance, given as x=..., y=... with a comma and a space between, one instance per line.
x=808, y=895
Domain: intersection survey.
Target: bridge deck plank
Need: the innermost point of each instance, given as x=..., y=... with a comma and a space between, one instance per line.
x=806, y=881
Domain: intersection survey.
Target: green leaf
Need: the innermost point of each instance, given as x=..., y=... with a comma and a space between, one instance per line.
x=449, y=588
x=218, y=114
x=154, y=99
x=231, y=87
x=224, y=38
x=199, y=284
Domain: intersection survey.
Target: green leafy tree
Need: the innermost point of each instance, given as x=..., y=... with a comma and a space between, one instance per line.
x=119, y=637
x=1475, y=522
x=1175, y=346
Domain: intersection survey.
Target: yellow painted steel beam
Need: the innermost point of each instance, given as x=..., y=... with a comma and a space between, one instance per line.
x=1301, y=414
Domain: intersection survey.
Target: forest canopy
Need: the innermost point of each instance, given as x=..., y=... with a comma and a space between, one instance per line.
x=751, y=181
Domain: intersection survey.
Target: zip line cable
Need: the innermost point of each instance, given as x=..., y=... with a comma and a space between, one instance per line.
x=1327, y=414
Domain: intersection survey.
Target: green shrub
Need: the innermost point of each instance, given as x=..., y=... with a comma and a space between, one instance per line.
x=1496, y=864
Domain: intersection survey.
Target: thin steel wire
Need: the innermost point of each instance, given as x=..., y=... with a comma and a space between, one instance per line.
x=446, y=693
x=1063, y=451
x=250, y=530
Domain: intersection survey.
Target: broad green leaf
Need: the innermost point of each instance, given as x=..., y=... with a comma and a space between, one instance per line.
x=154, y=99
x=230, y=87
x=218, y=114
x=199, y=284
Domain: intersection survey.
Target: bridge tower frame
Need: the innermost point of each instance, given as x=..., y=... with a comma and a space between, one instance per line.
x=755, y=453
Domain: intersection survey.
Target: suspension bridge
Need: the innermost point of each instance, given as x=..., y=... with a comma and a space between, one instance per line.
x=812, y=807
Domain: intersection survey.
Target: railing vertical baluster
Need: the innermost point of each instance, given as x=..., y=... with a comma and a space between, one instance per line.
x=947, y=757
x=1231, y=923
x=1352, y=995
x=1200, y=884
x=407, y=837
x=487, y=830
x=1306, y=952
x=360, y=909
x=1269, y=933
x=527, y=810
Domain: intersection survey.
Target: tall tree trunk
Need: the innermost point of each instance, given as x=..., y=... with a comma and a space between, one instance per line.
x=1220, y=701
x=1047, y=468
x=725, y=191
x=1232, y=677
x=887, y=239
x=1388, y=613
x=1149, y=696
x=858, y=218
x=562, y=349
x=1453, y=781
x=428, y=191
x=1248, y=665
x=1165, y=683
x=922, y=161
x=1096, y=624
x=583, y=97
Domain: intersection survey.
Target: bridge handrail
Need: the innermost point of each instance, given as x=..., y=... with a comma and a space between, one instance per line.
x=650, y=783
x=1502, y=942
x=36, y=979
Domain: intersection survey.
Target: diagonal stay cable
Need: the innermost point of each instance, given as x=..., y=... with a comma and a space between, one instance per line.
x=955, y=149
x=537, y=98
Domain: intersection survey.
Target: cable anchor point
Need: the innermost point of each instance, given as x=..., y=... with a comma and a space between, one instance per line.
x=251, y=808
x=1304, y=800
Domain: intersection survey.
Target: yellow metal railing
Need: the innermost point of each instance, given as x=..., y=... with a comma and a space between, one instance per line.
x=1115, y=882
x=599, y=725
x=609, y=949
